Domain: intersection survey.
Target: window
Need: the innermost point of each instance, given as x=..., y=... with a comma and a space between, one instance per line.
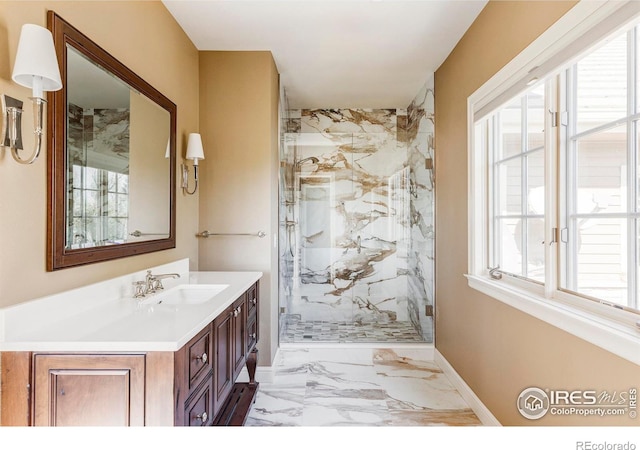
x=516, y=147
x=100, y=206
x=555, y=182
x=600, y=230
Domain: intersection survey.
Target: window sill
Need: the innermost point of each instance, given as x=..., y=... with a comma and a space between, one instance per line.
x=621, y=340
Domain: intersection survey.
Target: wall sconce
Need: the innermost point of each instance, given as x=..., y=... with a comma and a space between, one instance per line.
x=194, y=152
x=36, y=66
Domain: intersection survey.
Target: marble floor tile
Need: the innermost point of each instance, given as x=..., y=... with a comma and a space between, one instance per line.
x=277, y=407
x=464, y=417
x=345, y=414
x=413, y=384
x=358, y=387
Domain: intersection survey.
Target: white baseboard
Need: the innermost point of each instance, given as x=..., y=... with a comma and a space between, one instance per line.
x=465, y=391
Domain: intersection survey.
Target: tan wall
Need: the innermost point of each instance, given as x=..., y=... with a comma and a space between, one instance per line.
x=160, y=53
x=238, y=190
x=148, y=168
x=498, y=350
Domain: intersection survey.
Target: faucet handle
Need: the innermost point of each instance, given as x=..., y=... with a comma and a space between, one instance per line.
x=150, y=283
x=139, y=289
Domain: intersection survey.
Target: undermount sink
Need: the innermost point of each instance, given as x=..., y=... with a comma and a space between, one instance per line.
x=187, y=294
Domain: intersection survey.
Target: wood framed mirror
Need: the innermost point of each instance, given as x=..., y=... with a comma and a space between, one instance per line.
x=111, y=158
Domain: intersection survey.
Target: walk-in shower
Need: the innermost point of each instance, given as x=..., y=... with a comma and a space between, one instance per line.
x=356, y=227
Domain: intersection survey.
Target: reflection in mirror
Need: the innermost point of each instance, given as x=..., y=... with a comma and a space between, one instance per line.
x=111, y=157
x=116, y=159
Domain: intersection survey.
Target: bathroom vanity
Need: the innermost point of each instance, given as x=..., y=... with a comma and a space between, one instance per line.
x=97, y=356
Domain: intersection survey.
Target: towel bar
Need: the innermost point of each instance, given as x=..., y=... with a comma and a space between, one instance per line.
x=206, y=234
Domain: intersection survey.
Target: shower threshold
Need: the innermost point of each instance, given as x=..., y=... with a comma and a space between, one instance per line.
x=301, y=331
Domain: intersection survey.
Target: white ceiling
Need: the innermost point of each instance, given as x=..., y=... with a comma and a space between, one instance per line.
x=336, y=54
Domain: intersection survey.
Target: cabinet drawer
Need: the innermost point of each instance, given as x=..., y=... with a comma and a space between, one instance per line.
x=200, y=357
x=199, y=410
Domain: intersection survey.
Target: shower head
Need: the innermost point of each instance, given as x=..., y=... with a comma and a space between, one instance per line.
x=312, y=159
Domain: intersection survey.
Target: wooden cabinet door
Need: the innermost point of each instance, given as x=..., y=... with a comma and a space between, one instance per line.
x=239, y=344
x=252, y=301
x=223, y=365
x=252, y=334
x=89, y=390
x=252, y=318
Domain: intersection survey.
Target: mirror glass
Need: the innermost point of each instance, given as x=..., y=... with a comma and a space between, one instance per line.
x=111, y=157
x=117, y=159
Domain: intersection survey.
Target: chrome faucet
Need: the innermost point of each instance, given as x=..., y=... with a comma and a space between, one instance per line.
x=152, y=283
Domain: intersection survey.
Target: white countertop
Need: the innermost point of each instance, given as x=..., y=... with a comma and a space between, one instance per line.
x=86, y=320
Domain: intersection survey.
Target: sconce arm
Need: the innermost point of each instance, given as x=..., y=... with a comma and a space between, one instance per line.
x=185, y=179
x=13, y=133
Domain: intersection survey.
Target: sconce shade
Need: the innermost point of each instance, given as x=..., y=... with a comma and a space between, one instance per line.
x=36, y=64
x=194, y=148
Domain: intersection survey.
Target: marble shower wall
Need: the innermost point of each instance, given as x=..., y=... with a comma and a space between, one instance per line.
x=356, y=214
x=352, y=194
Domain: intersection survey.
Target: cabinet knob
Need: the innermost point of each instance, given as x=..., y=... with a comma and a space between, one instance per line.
x=236, y=312
x=254, y=301
x=204, y=358
x=203, y=417
x=253, y=335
